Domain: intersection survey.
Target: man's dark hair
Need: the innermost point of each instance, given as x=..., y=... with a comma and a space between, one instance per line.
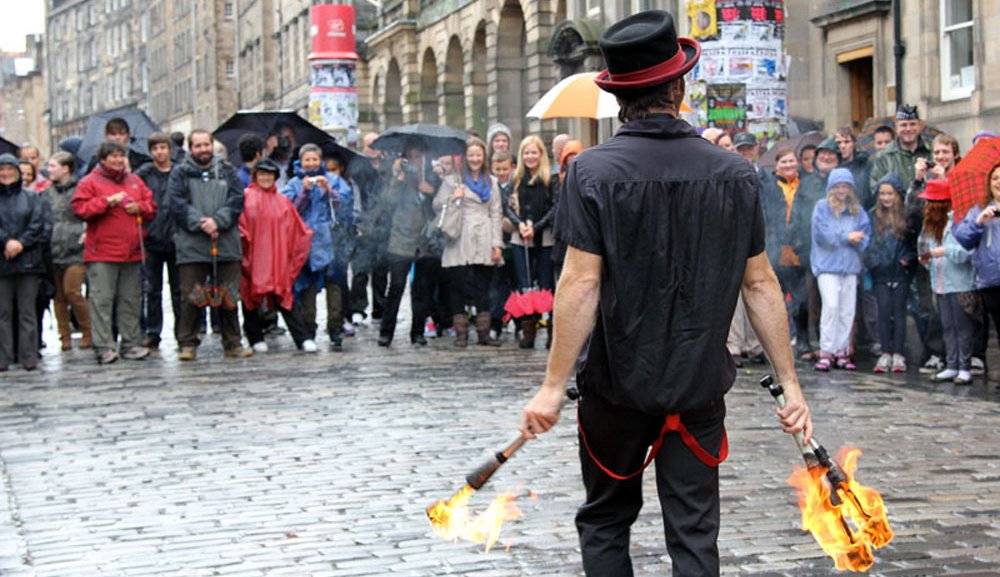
x=846, y=132
x=635, y=105
x=885, y=128
x=177, y=138
x=117, y=125
x=108, y=147
x=157, y=138
x=806, y=148
x=250, y=145
x=198, y=131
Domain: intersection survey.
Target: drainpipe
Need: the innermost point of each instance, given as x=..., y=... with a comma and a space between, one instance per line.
x=898, y=49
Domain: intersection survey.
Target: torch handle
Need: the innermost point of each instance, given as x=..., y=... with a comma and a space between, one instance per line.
x=778, y=392
x=478, y=478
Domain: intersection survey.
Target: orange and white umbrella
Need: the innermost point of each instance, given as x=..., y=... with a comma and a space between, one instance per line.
x=577, y=96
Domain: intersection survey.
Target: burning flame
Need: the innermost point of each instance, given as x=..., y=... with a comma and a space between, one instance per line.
x=452, y=519
x=848, y=530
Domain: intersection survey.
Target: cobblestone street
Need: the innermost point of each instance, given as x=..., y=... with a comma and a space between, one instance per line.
x=323, y=465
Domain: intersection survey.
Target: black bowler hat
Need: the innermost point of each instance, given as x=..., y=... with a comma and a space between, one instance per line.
x=267, y=165
x=644, y=50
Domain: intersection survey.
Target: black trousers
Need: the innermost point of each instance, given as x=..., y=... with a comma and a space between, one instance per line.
x=991, y=304
x=151, y=318
x=468, y=285
x=421, y=292
x=892, y=315
x=688, y=489
x=253, y=325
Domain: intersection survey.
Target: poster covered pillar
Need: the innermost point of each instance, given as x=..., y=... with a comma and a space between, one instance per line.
x=333, y=92
x=739, y=85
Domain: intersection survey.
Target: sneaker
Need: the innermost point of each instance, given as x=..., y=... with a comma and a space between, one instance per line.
x=978, y=366
x=884, y=364
x=136, y=354
x=260, y=347
x=963, y=378
x=107, y=357
x=898, y=364
x=358, y=318
x=933, y=365
x=430, y=329
x=945, y=375
x=348, y=329
x=309, y=346
x=187, y=354
x=238, y=353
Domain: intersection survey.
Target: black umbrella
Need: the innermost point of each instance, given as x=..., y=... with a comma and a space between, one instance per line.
x=8, y=147
x=438, y=140
x=140, y=127
x=267, y=123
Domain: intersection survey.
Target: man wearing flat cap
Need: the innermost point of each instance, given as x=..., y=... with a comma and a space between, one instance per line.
x=664, y=231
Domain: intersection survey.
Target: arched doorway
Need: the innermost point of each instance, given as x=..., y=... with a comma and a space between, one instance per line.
x=428, y=88
x=393, y=103
x=512, y=77
x=454, y=97
x=480, y=92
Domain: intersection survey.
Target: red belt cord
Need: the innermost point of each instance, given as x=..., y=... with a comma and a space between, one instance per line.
x=673, y=423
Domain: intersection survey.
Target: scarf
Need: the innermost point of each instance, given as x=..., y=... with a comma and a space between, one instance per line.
x=116, y=176
x=481, y=187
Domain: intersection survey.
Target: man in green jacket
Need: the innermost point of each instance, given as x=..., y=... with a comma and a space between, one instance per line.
x=901, y=154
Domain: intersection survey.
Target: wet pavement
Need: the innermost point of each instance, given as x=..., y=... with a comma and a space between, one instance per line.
x=323, y=465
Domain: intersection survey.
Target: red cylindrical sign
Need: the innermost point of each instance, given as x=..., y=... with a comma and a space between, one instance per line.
x=332, y=32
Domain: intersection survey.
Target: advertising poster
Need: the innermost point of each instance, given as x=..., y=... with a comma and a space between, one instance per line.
x=702, y=19
x=726, y=105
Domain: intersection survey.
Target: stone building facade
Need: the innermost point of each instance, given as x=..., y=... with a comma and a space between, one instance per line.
x=22, y=95
x=844, y=67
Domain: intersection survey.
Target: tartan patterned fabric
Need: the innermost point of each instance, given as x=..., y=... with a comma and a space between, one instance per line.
x=970, y=178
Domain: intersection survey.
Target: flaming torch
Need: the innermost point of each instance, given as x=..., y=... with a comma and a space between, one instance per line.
x=452, y=520
x=846, y=518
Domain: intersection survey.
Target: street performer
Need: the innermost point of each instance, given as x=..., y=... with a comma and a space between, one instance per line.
x=664, y=232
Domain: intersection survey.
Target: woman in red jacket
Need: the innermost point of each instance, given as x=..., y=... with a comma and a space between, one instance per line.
x=115, y=203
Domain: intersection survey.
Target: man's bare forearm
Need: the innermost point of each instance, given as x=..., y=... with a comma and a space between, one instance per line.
x=766, y=310
x=575, y=311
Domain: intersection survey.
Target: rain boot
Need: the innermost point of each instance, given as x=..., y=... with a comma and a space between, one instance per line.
x=528, y=327
x=62, y=321
x=461, y=323
x=483, y=330
x=83, y=317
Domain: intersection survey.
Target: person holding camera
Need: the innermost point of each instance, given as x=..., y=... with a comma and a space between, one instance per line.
x=945, y=154
x=325, y=202
x=980, y=230
x=408, y=201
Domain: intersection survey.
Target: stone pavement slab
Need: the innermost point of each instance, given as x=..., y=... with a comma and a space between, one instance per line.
x=310, y=465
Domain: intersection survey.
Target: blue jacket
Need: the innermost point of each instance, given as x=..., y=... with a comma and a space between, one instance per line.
x=315, y=211
x=831, y=253
x=884, y=253
x=985, y=240
x=952, y=273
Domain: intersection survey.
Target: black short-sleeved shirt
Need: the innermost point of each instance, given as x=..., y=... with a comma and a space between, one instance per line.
x=675, y=219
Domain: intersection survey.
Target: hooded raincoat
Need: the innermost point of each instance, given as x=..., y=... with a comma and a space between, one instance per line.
x=275, y=244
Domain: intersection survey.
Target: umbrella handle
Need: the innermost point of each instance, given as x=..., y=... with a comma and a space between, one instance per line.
x=527, y=261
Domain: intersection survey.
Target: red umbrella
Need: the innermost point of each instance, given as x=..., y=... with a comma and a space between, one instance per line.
x=517, y=306
x=531, y=301
x=969, y=179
